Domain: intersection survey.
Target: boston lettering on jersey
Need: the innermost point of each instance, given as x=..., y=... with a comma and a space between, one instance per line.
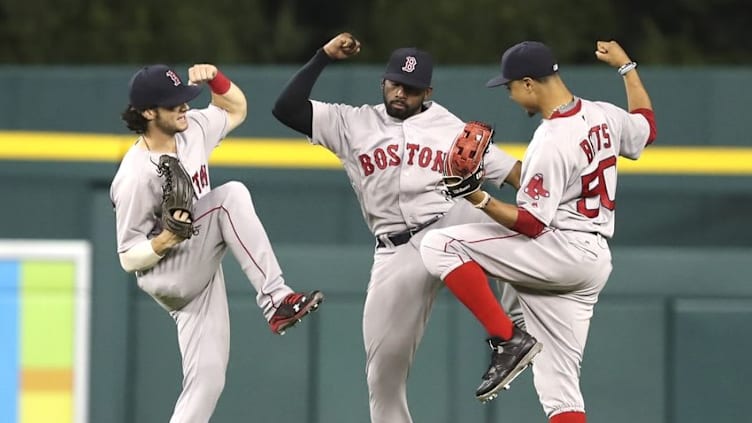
x=594, y=183
x=201, y=178
x=381, y=158
x=598, y=138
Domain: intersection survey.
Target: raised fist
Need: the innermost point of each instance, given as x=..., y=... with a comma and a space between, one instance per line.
x=342, y=46
x=612, y=53
x=201, y=73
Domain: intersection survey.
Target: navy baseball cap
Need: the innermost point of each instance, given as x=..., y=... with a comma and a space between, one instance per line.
x=159, y=86
x=410, y=66
x=527, y=59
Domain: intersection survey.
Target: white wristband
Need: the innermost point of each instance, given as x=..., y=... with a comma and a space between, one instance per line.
x=484, y=202
x=623, y=69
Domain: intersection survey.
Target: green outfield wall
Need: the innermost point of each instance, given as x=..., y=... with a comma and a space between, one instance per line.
x=694, y=106
x=670, y=336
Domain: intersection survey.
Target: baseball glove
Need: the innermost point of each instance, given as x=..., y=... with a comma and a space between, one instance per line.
x=463, y=166
x=177, y=194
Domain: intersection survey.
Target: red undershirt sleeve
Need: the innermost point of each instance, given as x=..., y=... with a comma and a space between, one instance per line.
x=527, y=224
x=650, y=116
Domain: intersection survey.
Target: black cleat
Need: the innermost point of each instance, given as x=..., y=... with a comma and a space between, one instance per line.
x=508, y=360
x=292, y=310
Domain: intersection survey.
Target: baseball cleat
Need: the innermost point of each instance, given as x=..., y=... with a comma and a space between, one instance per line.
x=508, y=360
x=292, y=310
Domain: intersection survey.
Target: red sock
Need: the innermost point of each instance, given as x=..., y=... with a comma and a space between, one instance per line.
x=568, y=417
x=469, y=284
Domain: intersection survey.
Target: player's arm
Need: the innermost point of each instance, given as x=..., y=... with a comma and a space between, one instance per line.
x=146, y=254
x=224, y=93
x=513, y=178
x=130, y=200
x=293, y=107
x=638, y=100
x=612, y=53
x=510, y=215
x=523, y=216
x=501, y=168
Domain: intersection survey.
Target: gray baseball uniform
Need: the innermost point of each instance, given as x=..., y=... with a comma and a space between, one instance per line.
x=188, y=281
x=568, y=183
x=395, y=167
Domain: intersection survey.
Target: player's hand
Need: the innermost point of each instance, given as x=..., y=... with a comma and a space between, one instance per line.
x=171, y=239
x=342, y=46
x=611, y=52
x=182, y=215
x=200, y=73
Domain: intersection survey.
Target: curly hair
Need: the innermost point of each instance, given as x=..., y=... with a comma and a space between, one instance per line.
x=134, y=120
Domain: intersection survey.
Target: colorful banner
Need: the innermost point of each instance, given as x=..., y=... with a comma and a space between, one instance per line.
x=44, y=315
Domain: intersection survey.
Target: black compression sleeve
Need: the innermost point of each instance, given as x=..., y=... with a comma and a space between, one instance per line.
x=292, y=107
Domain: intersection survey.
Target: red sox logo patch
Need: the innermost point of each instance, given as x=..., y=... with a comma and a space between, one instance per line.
x=410, y=64
x=535, y=188
x=175, y=78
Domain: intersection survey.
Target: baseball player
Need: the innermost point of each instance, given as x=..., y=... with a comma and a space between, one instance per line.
x=393, y=154
x=552, y=244
x=184, y=274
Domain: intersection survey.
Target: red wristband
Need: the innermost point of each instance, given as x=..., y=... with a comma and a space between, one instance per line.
x=220, y=84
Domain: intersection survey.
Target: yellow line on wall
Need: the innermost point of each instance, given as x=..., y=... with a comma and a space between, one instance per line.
x=298, y=153
x=284, y=153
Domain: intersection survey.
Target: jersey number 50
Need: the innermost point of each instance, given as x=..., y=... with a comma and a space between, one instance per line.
x=596, y=184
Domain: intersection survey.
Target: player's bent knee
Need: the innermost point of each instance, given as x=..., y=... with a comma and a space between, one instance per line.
x=236, y=193
x=432, y=247
x=235, y=188
x=435, y=239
